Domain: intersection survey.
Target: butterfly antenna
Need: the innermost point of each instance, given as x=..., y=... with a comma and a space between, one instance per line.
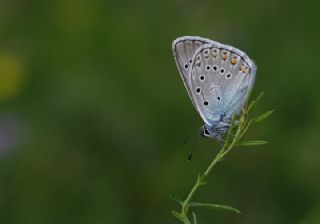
x=190, y=156
x=185, y=140
x=193, y=147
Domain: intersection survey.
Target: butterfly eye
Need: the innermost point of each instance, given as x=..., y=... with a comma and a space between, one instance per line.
x=222, y=71
x=208, y=67
x=198, y=90
x=228, y=76
x=201, y=77
x=206, y=132
x=186, y=66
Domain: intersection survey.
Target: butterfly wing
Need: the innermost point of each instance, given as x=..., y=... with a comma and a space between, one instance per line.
x=183, y=51
x=220, y=80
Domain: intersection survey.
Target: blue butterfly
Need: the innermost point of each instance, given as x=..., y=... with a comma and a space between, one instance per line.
x=218, y=78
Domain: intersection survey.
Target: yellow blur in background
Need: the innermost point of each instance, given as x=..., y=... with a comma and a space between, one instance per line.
x=11, y=76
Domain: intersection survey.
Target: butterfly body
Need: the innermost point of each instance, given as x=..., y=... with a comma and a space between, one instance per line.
x=218, y=79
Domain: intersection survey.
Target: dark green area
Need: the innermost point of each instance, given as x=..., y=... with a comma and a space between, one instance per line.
x=94, y=116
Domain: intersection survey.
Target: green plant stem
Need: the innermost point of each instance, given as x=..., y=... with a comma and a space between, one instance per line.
x=238, y=127
x=184, y=208
x=201, y=179
x=199, y=182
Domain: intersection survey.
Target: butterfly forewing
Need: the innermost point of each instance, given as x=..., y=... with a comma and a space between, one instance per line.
x=183, y=51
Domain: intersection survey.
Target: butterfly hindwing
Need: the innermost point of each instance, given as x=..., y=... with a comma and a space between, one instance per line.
x=219, y=81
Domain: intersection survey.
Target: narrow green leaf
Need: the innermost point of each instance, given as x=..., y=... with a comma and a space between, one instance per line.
x=202, y=179
x=245, y=128
x=262, y=116
x=176, y=198
x=199, y=178
x=194, y=218
x=243, y=121
x=214, y=206
x=231, y=127
x=255, y=102
x=256, y=142
x=178, y=216
x=202, y=183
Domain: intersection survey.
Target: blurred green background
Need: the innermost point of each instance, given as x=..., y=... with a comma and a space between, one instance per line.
x=93, y=111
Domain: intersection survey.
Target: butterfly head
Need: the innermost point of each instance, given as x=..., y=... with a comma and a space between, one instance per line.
x=206, y=132
x=216, y=133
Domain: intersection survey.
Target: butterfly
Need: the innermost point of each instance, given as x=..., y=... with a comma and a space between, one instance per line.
x=218, y=79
